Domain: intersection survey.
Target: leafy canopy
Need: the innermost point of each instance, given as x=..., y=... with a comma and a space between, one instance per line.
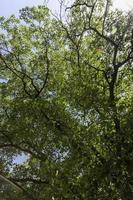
x=66, y=103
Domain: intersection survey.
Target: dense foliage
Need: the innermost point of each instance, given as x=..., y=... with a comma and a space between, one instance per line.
x=66, y=103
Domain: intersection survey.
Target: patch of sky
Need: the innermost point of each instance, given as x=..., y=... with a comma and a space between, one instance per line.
x=8, y=8
x=78, y=115
x=50, y=95
x=20, y=159
x=3, y=80
x=60, y=155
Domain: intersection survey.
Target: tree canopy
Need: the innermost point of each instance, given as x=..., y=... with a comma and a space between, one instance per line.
x=66, y=103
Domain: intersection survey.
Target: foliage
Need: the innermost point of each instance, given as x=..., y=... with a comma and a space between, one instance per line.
x=66, y=103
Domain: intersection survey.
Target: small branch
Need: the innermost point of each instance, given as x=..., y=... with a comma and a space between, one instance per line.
x=129, y=58
x=91, y=14
x=104, y=36
x=99, y=70
x=46, y=76
x=105, y=15
x=16, y=72
x=79, y=4
x=33, y=151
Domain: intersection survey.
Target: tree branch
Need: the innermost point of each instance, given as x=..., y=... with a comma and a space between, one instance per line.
x=79, y=4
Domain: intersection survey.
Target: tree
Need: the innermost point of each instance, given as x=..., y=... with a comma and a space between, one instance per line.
x=66, y=103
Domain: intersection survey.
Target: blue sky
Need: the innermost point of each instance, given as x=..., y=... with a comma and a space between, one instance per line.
x=8, y=7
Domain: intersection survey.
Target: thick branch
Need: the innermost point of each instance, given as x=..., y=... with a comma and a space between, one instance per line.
x=32, y=180
x=18, y=187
